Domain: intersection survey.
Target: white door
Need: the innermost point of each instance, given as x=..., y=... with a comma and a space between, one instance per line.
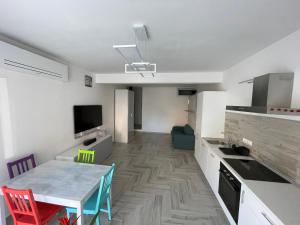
x=121, y=114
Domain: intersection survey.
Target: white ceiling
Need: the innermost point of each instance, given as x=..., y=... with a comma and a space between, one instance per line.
x=186, y=35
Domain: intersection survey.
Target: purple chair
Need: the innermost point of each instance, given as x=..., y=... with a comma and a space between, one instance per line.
x=21, y=165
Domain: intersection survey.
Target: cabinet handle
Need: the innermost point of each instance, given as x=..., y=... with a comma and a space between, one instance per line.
x=243, y=196
x=212, y=155
x=267, y=218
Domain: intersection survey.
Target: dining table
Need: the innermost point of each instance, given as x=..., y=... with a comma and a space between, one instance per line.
x=64, y=183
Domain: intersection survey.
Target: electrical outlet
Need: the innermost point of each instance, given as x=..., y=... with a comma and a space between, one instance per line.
x=247, y=142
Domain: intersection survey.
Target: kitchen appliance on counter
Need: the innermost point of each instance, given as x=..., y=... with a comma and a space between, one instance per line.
x=230, y=191
x=234, y=150
x=253, y=170
x=272, y=94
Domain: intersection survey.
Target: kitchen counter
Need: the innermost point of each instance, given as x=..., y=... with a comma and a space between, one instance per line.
x=282, y=199
x=216, y=150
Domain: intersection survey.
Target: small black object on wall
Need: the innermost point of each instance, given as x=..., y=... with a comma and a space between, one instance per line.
x=88, y=81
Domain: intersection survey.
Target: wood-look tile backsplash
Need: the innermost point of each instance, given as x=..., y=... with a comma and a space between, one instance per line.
x=276, y=142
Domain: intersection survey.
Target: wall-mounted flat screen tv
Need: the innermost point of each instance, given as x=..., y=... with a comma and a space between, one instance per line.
x=87, y=117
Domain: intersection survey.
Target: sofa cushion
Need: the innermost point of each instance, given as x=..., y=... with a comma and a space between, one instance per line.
x=177, y=130
x=181, y=139
x=188, y=130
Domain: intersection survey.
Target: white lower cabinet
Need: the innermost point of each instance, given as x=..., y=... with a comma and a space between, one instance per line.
x=213, y=167
x=246, y=214
x=247, y=217
x=203, y=157
x=209, y=163
x=201, y=152
x=252, y=212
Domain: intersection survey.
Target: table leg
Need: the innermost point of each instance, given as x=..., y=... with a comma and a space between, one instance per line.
x=80, y=221
x=2, y=211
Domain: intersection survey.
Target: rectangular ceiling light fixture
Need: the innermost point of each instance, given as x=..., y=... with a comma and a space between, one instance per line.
x=128, y=52
x=143, y=67
x=141, y=32
x=131, y=53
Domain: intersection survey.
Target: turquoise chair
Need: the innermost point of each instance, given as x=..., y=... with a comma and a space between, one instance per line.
x=96, y=202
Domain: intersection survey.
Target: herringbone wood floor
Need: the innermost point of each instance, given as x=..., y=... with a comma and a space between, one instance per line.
x=155, y=184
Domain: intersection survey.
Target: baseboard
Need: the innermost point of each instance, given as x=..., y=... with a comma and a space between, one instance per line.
x=154, y=132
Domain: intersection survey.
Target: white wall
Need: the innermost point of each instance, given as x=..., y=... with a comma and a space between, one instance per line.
x=162, y=109
x=282, y=56
x=5, y=124
x=192, y=106
x=42, y=112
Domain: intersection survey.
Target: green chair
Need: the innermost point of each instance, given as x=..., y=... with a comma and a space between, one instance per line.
x=95, y=204
x=86, y=156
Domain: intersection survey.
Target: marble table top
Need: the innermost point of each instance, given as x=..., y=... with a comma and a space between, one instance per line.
x=60, y=182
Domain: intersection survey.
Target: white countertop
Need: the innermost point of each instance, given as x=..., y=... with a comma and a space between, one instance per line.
x=282, y=199
x=215, y=149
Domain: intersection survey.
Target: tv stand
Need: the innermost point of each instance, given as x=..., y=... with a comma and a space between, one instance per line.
x=102, y=146
x=89, y=141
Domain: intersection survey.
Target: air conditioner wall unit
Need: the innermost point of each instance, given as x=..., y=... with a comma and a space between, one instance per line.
x=186, y=91
x=18, y=59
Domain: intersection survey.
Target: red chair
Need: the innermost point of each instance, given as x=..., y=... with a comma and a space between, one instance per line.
x=25, y=210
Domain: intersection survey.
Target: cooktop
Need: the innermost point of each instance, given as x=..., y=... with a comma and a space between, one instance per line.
x=253, y=170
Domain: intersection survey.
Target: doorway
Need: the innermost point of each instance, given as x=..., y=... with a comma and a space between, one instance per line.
x=138, y=103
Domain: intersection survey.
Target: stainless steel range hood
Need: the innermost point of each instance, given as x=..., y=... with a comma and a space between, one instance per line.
x=272, y=93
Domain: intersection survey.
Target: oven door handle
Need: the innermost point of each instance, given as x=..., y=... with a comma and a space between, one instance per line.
x=231, y=185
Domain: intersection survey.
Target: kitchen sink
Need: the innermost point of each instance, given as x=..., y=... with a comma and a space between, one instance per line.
x=216, y=142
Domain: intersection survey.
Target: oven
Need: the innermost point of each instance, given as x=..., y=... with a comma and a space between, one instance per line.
x=230, y=190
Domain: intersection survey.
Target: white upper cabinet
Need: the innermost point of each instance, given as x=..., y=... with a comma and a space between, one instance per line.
x=210, y=117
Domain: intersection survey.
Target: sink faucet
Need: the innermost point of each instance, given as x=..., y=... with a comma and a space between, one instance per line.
x=229, y=142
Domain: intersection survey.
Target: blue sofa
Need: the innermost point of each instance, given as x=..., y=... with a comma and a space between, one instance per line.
x=183, y=137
